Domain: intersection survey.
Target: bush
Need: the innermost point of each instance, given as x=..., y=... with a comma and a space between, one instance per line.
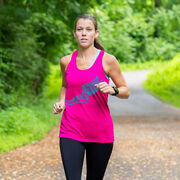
x=167, y=23
x=53, y=82
x=164, y=82
x=17, y=120
x=159, y=49
x=141, y=34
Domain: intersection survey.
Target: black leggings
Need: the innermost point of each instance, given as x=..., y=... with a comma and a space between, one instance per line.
x=72, y=154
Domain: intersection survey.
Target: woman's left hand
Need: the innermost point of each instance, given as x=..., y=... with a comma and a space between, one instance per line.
x=104, y=87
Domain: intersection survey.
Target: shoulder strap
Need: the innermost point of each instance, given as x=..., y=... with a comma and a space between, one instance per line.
x=72, y=61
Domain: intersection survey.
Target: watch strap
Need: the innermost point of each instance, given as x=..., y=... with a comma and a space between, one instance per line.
x=116, y=91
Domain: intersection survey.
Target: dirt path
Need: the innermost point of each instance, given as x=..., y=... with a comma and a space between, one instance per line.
x=145, y=148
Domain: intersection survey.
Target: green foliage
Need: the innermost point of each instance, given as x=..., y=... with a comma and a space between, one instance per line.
x=37, y=33
x=158, y=48
x=121, y=44
x=141, y=65
x=53, y=82
x=135, y=30
x=16, y=120
x=26, y=123
x=32, y=118
x=50, y=32
x=21, y=67
x=167, y=23
x=34, y=35
x=164, y=82
x=144, y=6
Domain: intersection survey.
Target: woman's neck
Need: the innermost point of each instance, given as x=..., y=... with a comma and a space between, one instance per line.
x=85, y=53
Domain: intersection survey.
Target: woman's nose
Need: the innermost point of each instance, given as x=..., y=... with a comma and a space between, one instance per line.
x=84, y=32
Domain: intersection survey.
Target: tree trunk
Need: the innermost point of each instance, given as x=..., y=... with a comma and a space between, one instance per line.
x=157, y=3
x=35, y=82
x=1, y=2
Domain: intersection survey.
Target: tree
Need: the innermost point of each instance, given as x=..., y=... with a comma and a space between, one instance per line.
x=157, y=3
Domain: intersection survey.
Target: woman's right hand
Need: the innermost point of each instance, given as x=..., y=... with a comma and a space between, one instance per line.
x=58, y=107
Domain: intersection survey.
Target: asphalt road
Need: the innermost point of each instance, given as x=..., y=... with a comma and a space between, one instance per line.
x=140, y=102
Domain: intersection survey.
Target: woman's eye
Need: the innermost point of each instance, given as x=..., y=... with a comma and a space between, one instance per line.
x=82, y=29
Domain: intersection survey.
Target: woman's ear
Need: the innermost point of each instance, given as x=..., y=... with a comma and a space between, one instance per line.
x=74, y=33
x=97, y=33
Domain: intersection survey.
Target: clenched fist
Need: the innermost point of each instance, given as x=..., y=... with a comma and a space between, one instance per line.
x=58, y=107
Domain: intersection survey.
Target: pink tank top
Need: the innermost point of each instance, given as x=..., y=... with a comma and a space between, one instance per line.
x=86, y=116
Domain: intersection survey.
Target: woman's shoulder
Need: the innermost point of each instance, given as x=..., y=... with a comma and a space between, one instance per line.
x=65, y=59
x=109, y=58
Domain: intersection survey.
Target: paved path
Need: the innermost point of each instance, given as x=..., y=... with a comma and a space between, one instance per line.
x=140, y=102
x=147, y=135
x=146, y=147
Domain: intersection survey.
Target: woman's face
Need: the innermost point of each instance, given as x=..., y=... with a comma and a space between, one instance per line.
x=85, y=32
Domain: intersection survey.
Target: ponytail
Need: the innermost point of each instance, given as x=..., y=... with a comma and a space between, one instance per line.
x=98, y=45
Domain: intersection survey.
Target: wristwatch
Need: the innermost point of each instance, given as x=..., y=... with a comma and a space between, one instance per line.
x=116, y=91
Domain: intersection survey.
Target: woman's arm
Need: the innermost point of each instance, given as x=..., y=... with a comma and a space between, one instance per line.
x=114, y=72
x=117, y=77
x=63, y=64
x=60, y=105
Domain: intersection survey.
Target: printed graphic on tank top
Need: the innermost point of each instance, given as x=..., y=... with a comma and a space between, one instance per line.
x=86, y=116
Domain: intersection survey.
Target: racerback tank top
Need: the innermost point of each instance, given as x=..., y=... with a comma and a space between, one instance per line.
x=86, y=116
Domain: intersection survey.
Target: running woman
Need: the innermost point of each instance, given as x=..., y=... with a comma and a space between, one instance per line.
x=86, y=124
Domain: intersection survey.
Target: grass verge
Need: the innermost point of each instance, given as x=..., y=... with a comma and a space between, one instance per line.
x=33, y=118
x=164, y=82
x=141, y=65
